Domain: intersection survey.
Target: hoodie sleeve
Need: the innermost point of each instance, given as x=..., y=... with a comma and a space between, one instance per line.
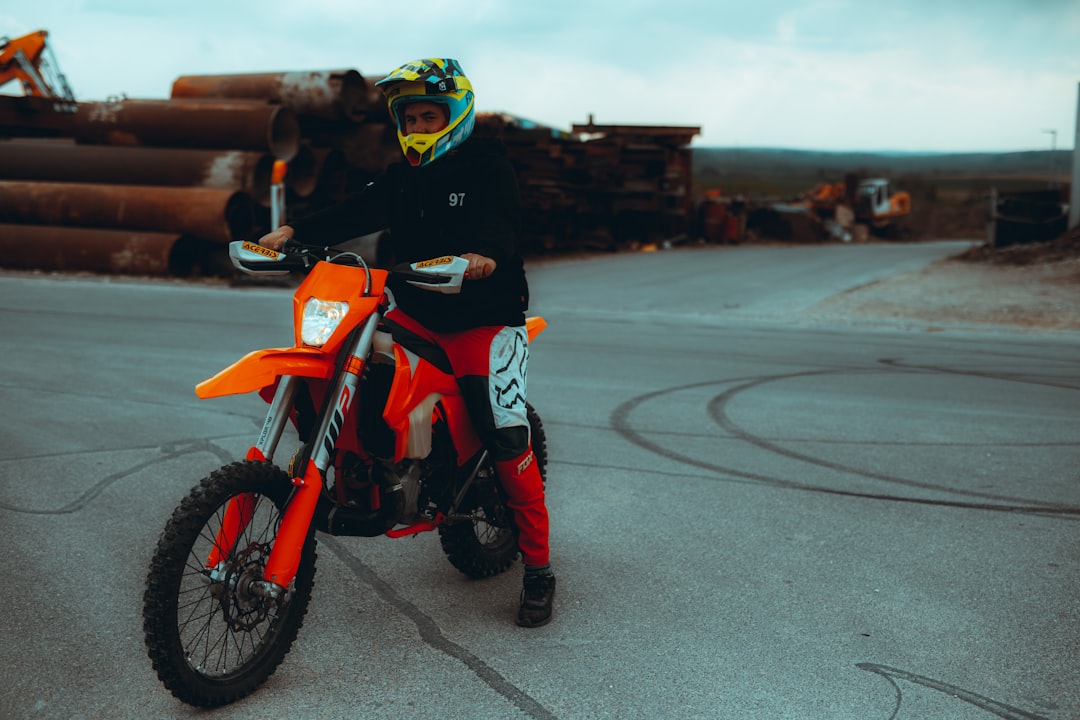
x=358, y=214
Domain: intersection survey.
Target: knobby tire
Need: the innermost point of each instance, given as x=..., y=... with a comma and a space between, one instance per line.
x=210, y=641
x=481, y=549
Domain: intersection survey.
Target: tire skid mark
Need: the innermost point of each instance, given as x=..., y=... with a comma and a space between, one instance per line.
x=171, y=451
x=1008, y=712
x=717, y=410
x=1005, y=377
x=621, y=423
x=432, y=634
x=152, y=402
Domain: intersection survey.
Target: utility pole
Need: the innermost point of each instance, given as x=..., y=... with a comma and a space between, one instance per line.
x=1074, y=193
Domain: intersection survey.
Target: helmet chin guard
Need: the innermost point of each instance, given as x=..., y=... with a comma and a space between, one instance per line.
x=437, y=80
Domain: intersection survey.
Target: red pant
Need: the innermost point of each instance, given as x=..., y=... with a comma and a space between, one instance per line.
x=490, y=364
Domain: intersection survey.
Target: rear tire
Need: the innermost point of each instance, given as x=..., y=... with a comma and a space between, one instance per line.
x=210, y=640
x=487, y=546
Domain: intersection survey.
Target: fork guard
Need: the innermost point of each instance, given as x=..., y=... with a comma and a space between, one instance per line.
x=261, y=369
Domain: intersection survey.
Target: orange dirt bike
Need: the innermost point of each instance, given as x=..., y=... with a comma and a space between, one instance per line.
x=386, y=448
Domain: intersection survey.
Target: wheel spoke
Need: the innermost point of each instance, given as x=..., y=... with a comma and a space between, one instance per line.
x=206, y=623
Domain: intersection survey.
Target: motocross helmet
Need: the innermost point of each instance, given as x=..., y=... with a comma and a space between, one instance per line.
x=437, y=80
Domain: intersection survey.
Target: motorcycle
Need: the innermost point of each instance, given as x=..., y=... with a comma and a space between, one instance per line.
x=386, y=447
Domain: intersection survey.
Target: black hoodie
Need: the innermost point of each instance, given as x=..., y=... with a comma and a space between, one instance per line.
x=466, y=201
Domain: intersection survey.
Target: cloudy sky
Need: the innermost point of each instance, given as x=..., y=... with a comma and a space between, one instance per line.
x=903, y=75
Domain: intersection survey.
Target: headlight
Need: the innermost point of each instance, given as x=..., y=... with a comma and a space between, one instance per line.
x=320, y=320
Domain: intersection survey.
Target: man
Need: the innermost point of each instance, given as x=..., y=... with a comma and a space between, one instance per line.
x=458, y=195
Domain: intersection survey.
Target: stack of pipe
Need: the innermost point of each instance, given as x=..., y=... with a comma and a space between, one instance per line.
x=161, y=186
x=345, y=136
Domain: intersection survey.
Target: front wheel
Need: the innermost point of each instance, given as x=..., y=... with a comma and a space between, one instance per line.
x=487, y=545
x=212, y=636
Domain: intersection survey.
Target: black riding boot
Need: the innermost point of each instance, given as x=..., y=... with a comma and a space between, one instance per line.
x=537, y=596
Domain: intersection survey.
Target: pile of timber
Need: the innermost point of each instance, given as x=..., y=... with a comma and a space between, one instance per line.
x=162, y=186
x=599, y=186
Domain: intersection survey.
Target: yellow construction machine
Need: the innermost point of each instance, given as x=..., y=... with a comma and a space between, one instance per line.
x=29, y=60
x=859, y=206
x=878, y=203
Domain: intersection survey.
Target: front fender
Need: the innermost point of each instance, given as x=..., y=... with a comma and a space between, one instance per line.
x=261, y=368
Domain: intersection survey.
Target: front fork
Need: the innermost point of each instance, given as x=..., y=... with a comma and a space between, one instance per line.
x=315, y=458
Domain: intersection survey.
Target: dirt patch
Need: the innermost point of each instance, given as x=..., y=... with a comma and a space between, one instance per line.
x=1066, y=248
x=1021, y=286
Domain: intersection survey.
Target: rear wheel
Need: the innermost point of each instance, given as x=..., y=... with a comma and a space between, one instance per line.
x=212, y=636
x=487, y=545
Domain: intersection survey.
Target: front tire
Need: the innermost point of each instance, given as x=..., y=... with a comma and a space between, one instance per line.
x=210, y=639
x=487, y=546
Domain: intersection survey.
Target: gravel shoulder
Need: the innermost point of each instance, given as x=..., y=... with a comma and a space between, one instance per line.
x=1033, y=288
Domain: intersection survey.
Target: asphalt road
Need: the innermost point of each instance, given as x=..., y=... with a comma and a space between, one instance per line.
x=752, y=518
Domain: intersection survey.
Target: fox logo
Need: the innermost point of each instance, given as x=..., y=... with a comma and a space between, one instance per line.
x=524, y=464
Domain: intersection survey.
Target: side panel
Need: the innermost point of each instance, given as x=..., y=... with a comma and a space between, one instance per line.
x=415, y=381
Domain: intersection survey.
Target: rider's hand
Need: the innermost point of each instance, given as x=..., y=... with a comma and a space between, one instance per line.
x=275, y=239
x=480, y=266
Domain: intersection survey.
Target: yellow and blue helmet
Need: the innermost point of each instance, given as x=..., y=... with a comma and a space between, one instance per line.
x=438, y=80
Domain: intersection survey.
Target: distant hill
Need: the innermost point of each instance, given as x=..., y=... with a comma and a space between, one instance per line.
x=934, y=179
x=768, y=161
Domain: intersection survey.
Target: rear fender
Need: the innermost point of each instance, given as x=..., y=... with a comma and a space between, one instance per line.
x=534, y=326
x=262, y=368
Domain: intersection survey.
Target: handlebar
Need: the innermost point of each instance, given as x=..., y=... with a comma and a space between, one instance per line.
x=294, y=256
x=442, y=274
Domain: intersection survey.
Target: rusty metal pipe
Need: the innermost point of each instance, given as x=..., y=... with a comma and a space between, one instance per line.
x=327, y=94
x=302, y=172
x=29, y=116
x=376, y=101
x=66, y=249
x=369, y=147
x=215, y=215
x=64, y=161
x=206, y=124
x=331, y=185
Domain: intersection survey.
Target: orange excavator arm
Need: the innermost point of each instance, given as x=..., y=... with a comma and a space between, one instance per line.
x=28, y=59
